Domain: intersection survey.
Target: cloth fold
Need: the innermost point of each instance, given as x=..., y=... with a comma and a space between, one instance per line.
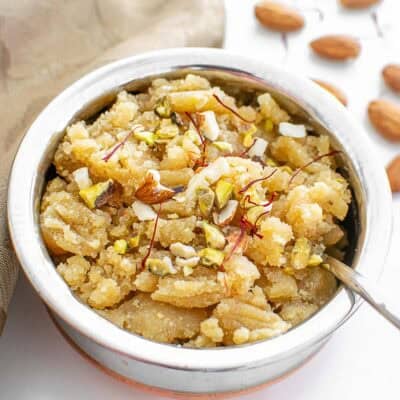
x=47, y=44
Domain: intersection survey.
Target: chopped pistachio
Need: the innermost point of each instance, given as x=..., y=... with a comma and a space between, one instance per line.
x=268, y=125
x=341, y=180
x=223, y=146
x=300, y=253
x=214, y=237
x=314, y=260
x=250, y=131
x=287, y=169
x=211, y=257
x=193, y=136
x=223, y=192
x=145, y=136
x=160, y=267
x=248, y=135
x=205, y=197
x=134, y=241
x=253, y=213
x=163, y=107
x=247, y=140
x=120, y=246
x=167, y=130
x=271, y=163
x=96, y=195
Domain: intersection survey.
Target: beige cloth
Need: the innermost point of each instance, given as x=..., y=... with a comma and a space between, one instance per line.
x=46, y=44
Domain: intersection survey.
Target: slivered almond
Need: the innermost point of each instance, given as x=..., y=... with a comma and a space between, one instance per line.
x=278, y=17
x=385, y=117
x=151, y=191
x=393, y=172
x=335, y=91
x=391, y=75
x=358, y=3
x=336, y=47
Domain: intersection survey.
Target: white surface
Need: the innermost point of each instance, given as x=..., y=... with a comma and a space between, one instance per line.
x=363, y=358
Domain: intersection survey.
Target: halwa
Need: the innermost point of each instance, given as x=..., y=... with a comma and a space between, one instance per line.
x=186, y=216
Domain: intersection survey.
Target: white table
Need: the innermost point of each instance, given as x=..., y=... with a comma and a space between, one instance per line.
x=361, y=361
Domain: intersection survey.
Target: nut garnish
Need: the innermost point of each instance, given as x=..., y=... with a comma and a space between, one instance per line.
x=278, y=17
x=205, y=198
x=385, y=117
x=214, y=237
x=358, y=3
x=227, y=213
x=97, y=195
x=336, y=47
x=160, y=267
x=335, y=91
x=223, y=193
x=391, y=75
x=211, y=257
x=151, y=191
x=393, y=172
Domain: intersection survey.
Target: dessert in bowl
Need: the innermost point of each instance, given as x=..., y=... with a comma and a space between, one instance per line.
x=193, y=204
x=189, y=219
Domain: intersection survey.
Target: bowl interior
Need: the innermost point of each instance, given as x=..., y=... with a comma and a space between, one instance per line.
x=247, y=88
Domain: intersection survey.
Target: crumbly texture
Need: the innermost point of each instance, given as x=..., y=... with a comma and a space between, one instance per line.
x=185, y=216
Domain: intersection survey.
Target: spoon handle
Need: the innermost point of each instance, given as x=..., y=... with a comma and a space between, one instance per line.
x=366, y=289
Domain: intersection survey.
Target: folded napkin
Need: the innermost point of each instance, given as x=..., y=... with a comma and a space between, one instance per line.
x=47, y=44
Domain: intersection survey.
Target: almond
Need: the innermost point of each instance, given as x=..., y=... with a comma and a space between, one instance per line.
x=151, y=191
x=278, y=17
x=393, y=172
x=391, y=75
x=358, y=3
x=338, y=93
x=385, y=117
x=336, y=47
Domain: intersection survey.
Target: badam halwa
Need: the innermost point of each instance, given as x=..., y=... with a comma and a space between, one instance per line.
x=187, y=216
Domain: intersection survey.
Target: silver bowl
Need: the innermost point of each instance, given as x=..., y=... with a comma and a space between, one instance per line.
x=167, y=366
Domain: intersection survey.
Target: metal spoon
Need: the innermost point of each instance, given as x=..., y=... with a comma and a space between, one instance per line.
x=367, y=290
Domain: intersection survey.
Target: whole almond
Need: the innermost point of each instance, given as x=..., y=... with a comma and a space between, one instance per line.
x=358, y=3
x=336, y=47
x=393, y=172
x=385, y=117
x=391, y=75
x=335, y=91
x=278, y=17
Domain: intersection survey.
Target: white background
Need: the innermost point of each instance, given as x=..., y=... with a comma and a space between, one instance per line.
x=362, y=360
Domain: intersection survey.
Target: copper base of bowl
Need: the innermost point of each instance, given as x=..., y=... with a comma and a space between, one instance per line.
x=168, y=393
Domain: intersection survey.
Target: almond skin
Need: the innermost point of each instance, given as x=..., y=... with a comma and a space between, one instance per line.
x=336, y=47
x=152, y=192
x=278, y=17
x=358, y=3
x=391, y=75
x=393, y=172
x=385, y=117
x=338, y=93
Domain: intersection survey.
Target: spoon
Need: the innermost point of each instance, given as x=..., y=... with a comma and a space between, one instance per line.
x=364, y=288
